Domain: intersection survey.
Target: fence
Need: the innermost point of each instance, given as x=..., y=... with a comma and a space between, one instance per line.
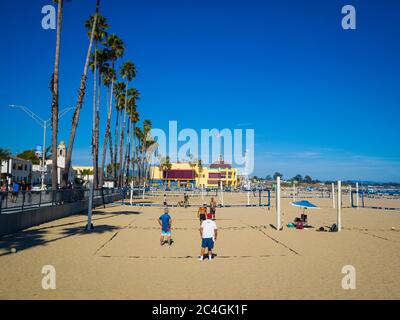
x=26, y=200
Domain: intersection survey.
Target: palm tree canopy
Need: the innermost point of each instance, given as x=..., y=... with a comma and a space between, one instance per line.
x=108, y=75
x=101, y=27
x=128, y=70
x=119, y=94
x=115, y=45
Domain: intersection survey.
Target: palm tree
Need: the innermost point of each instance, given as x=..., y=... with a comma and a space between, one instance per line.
x=134, y=118
x=166, y=165
x=133, y=96
x=108, y=79
x=100, y=34
x=119, y=94
x=55, y=93
x=81, y=96
x=128, y=72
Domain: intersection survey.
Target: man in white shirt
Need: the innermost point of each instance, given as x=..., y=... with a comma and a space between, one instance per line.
x=208, y=234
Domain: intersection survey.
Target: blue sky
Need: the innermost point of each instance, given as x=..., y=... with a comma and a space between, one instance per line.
x=322, y=100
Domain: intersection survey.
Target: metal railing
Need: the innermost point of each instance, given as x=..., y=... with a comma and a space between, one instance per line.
x=11, y=202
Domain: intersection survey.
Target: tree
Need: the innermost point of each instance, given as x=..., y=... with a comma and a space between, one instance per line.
x=128, y=72
x=109, y=76
x=298, y=178
x=29, y=155
x=166, y=165
x=55, y=95
x=97, y=64
x=308, y=180
x=277, y=174
x=81, y=95
x=119, y=95
x=268, y=178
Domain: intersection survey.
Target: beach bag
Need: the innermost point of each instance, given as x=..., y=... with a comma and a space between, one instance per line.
x=333, y=228
x=299, y=225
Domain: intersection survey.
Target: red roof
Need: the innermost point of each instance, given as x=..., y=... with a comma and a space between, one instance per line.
x=220, y=165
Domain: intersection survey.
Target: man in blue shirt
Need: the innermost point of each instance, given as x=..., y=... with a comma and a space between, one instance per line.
x=165, y=222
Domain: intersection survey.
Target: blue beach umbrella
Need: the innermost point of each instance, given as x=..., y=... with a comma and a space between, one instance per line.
x=304, y=204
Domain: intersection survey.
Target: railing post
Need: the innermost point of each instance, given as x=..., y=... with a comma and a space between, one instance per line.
x=23, y=200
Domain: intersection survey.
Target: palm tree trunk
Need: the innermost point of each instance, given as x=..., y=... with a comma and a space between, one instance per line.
x=133, y=150
x=81, y=96
x=54, y=102
x=94, y=113
x=116, y=147
x=121, y=141
x=106, y=135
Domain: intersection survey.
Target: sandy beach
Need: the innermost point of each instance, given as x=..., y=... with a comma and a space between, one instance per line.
x=122, y=259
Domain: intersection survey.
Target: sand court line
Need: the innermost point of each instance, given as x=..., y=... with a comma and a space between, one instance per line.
x=196, y=257
x=273, y=239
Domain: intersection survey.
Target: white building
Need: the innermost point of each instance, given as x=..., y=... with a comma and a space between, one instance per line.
x=16, y=169
x=61, y=155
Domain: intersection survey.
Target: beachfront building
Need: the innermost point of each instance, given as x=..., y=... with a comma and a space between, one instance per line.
x=189, y=175
x=37, y=169
x=16, y=169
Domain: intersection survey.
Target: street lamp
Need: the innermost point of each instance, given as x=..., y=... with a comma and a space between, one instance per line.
x=44, y=124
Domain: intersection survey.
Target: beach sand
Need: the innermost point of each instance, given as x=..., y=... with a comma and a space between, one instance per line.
x=122, y=259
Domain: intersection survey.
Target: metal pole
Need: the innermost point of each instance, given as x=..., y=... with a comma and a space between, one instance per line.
x=294, y=191
x=278, y=203
x=144, y=188
x=333, y=195
x=339, y=205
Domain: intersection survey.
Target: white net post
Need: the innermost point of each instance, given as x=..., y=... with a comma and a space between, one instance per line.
x=357, y=195
x=333, y=195
x=339, y=205
x=278, y=203
x=350, y=196
x=131, y=198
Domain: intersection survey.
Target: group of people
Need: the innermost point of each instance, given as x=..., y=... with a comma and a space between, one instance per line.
x=208, y=227
x=14, y=188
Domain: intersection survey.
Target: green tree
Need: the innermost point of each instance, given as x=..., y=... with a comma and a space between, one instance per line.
x=78, y=108
x=277, y=174
x=97, y=64
x=128, y=72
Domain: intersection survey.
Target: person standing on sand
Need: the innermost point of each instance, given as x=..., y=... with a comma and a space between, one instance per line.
x=208, y=235
x=185, y=200
x=165, y=200
x=213, y=206
x=165, y=222
x=202, y=213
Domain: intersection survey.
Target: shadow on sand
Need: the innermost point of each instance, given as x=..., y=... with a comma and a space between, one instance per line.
x=40, y=237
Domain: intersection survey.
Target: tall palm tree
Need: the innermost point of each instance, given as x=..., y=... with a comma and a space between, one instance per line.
x=133, y=118
x=119, y=94
x=55, y=96
x=116, y=48
x=133, y=96
x=128, y=72
x=100, y=33
x=81, y=96
x=108, y=79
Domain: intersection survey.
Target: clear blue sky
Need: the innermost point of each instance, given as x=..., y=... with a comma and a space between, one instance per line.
x=323, y=101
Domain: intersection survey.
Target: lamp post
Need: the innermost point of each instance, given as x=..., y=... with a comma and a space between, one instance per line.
x=44, y=124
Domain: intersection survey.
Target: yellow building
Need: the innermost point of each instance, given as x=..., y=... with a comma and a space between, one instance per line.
x=191, y=175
